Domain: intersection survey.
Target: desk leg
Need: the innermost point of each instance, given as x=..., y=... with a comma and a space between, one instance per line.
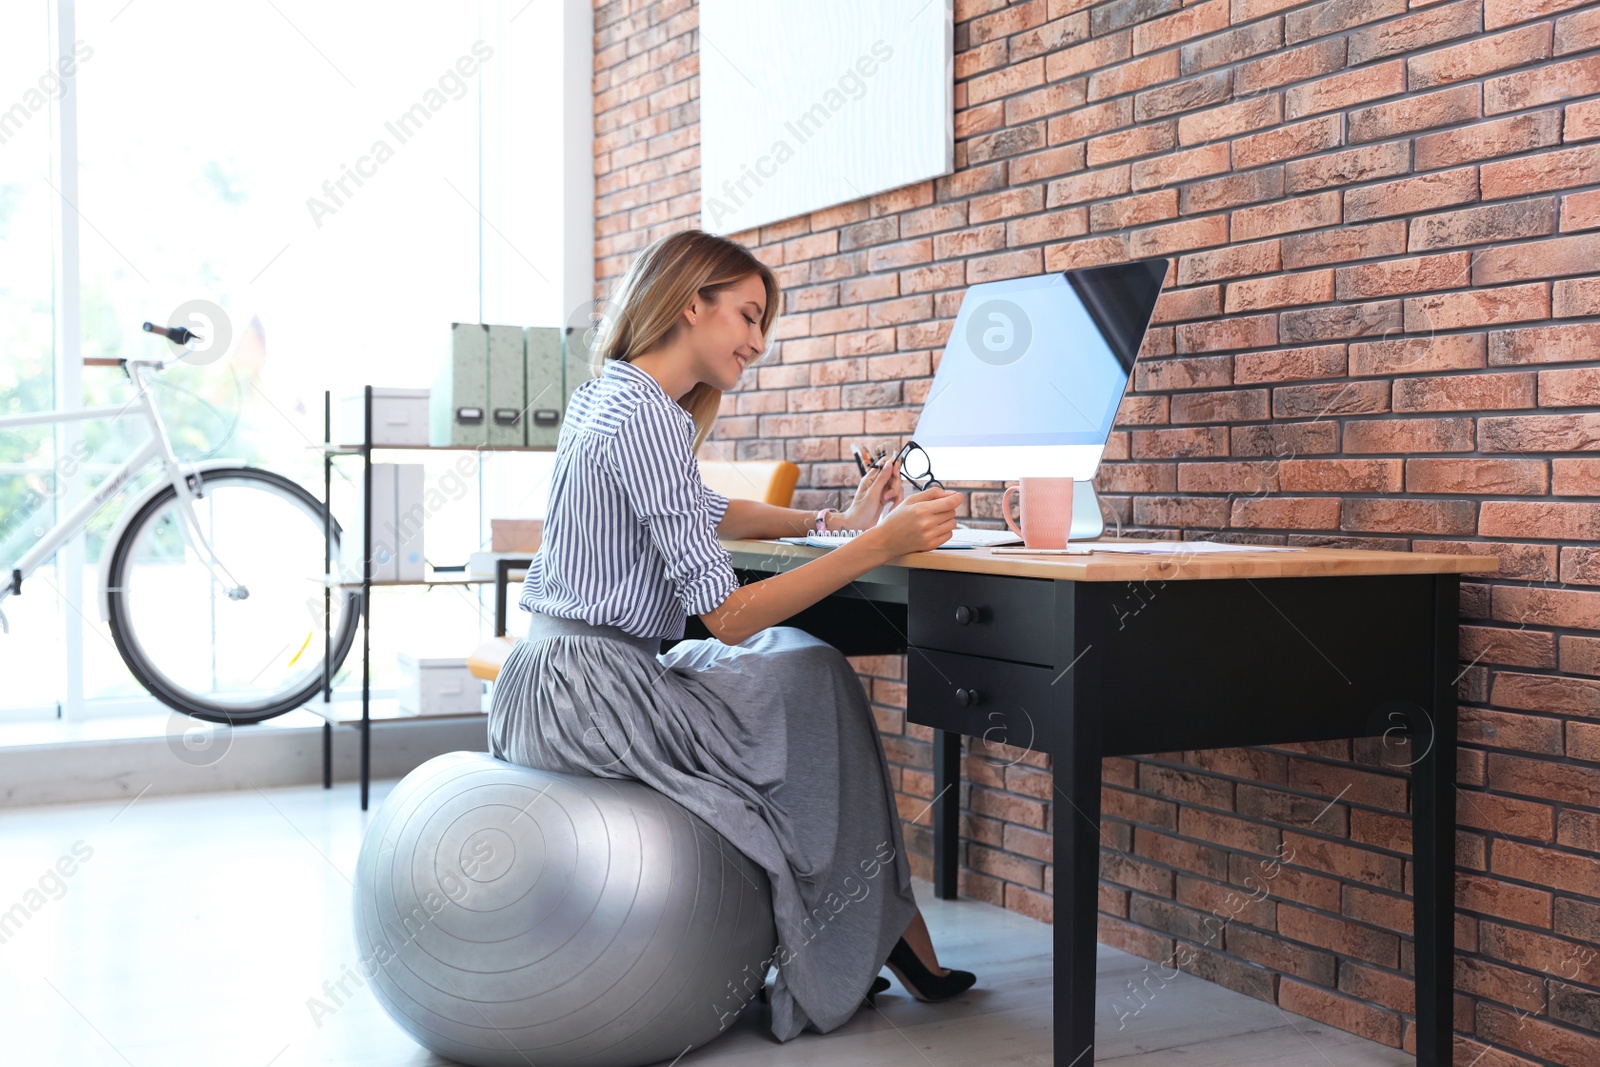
x=1433, y=814
x=1076, y=852
x=946, y=813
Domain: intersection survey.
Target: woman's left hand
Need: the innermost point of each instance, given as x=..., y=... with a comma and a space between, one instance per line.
x=879, y=491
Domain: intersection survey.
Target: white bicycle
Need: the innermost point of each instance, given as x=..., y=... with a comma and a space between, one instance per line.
x=212, y=581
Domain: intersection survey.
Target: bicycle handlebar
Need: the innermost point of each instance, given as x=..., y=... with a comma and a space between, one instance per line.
x=178, y=335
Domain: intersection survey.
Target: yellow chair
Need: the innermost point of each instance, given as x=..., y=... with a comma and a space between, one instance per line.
x=771, y=481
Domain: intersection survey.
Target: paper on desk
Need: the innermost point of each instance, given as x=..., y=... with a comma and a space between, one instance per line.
x=1197, y=547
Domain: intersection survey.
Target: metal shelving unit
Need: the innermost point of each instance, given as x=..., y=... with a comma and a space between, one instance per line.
x=330, y=452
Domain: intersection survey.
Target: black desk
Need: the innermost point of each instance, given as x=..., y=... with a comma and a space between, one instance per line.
x=1086, y=657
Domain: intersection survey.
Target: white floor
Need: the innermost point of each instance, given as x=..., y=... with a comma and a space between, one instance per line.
x=199, y=927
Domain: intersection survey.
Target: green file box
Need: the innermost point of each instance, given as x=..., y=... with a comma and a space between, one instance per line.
x=547, y=398
x=507, y=386
x=458, y=411
x=576, y=361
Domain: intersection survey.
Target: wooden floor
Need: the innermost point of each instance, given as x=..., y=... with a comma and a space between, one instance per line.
x=200, y=927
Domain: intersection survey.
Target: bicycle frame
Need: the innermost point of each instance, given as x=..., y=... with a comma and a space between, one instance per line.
x=157, y=446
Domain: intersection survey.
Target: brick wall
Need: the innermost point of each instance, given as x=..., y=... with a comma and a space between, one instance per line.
x=1383, y=330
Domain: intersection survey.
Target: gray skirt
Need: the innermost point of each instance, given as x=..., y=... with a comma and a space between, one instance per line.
x=771, y=742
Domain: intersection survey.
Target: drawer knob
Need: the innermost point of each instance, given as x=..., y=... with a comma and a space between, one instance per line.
x=968, y=697
x=966, y=615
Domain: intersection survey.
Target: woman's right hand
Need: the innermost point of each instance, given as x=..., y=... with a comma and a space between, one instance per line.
x=919, y=523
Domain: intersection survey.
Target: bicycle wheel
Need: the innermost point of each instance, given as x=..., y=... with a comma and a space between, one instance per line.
x=197, y=650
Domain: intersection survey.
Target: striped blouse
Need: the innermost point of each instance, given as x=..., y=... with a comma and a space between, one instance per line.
x=630, y=539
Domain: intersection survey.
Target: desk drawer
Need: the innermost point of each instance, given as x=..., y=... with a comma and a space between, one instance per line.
x=1004, y=703
x=984, y=615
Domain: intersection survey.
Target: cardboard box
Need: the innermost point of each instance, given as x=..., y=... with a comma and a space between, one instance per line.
x=399, y=417
x=515, y=535
x=458, y=409
x=508, y=386
x=547, y=399
x=439, y=686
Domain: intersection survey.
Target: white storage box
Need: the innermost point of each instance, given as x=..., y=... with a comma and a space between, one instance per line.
x=399, y=417
x=439, y=687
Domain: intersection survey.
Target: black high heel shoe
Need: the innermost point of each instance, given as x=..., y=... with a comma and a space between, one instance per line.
x=923, y=983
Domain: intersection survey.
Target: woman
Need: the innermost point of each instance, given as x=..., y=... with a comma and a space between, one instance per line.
x=763, y=731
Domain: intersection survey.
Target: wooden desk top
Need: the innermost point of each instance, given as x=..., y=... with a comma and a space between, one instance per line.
x=1121, y=567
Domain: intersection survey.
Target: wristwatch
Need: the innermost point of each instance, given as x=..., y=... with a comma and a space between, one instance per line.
x=822, y=520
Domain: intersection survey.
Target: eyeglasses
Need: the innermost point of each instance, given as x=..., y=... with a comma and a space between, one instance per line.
x=916, y=468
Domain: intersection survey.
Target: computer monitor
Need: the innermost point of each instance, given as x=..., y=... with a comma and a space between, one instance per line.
x=1034, y=371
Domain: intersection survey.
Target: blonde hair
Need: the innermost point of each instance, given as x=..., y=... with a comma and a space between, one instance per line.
x=648, y=300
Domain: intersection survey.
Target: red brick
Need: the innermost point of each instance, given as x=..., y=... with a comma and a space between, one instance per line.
x=1539, y=433
x=1142, y=140
x=1410, y=516
x=1180, y=305
x=1479, y=307
x=1581, y=121
x=1544, y=85
x=1576, y=298
x=1285, y=513
x=1524, y=476
x=1231, y=477
x=1133, y=75
x=1134, y=210
x=1178, y=236
x=1343, y=245
x=1288, y=142
x=1465, y=392
x=1410, y=196
x=1530, y=563
x=1287, y=216
x=1544, y=344
x=1573, y=608
x=1539, y=173
x=1569, y=388
x=1575, y=477
x=1333, y=398
x=1090, y=185
x=1415, y=355
x=1404, y=436
x=1486, y=140
x=1202, y=90
x=1344, y=938
x=1225, y=49
x=1498, y=13
x=1415, y=32
x=1289, y=364
x=1419, y=274
x=1234, y=261
x=1151, y=375
x=1256, y=331
x=1505, y=647
x=1482, y=225
x=1347, y=168
x=1091, y=55
x=1580, y=211
x=1577, y=32
x=1443, y=107
x=1374, y=318
x=1341, y=91
x=1537, y=259
x=1195, y=21
x=1341, y=476
x=1235, y=405
x=1283, y=290
x=1579, y=655
x=1535, y=1036
x=1331, y=16
x=1090, y=121
x=1181, y=166
x=1230, y=120
x=1482, y=55
x=1178, y=443
x=1294, y=65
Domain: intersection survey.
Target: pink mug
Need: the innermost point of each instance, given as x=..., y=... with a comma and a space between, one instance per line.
x=1046, y=507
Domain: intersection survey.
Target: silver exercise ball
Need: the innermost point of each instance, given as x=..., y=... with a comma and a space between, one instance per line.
x=507, y=916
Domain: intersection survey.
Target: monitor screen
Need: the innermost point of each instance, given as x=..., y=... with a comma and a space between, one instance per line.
x=1034, y=371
